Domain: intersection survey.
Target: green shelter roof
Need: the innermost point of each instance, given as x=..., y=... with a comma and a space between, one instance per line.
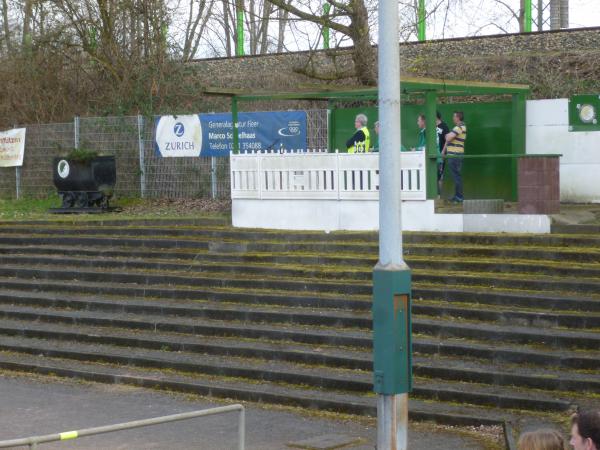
x=408, y=85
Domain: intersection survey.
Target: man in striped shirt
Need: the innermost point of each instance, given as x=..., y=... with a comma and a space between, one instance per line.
x=455, y=148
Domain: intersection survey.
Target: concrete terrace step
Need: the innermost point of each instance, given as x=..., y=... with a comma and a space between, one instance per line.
x=227, y=232
x=334, y=287
x=459, y=295
x=504, y=325
x=278, y=372
x=311, y=334
x=292, y=315
x=347, y=251
x=322, y=355
x=445, y=413
x=209, y=262
x=354, y=240
x=96, y=221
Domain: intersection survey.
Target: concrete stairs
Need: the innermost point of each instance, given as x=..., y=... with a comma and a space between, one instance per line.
x=506, y=327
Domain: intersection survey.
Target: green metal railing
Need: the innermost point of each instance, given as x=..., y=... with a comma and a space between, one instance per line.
x=34, y=441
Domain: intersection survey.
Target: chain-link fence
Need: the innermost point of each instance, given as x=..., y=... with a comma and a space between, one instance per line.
x=141, y=172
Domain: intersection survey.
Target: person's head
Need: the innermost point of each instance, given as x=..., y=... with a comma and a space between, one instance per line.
x=585, y=430
x=421, y=121
x=360, y=121
x=458, y=117
x=541, y=440
x=376, y=125
x=438, y=117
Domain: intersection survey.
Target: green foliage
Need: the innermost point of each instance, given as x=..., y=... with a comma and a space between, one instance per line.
x=82, y=155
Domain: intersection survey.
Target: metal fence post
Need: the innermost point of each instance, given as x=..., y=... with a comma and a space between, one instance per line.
x=76, y=131
x=17, y=177
x=18, y=182
x=140, y=124
x=213, y=177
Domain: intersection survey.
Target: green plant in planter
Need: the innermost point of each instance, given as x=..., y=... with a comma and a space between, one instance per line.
x=82, y=155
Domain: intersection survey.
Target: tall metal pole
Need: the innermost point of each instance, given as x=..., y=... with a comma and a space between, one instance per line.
x=141, y=154
x=421, y=21
x=564, y=13
x=527, y=16
x=391, y=276
x=325, y=32
x=555, y=14
x=239, y=46
x=390, y=234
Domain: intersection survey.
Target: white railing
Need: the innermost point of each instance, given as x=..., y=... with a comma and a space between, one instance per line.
x=321, y=175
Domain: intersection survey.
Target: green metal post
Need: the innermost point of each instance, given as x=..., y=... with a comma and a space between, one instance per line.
x=527, y=16
x=518, y=136
x=239, y=47
x=234, y=123
x=431, y=141
x=421, y=16
x=325, y=32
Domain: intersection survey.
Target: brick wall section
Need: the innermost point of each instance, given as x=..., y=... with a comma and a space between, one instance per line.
x=539, y=185
x=555, y=64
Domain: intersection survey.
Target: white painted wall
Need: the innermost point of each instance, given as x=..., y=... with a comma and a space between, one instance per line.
x=363, y=215
x=547, y=131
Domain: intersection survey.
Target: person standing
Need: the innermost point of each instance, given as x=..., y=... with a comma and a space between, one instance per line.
x=585, y=430
x=376, y=143
x=360, y=142
x=442, y=130
x=455, y=148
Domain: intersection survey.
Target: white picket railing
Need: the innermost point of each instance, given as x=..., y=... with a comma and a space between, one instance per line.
x=321, y=175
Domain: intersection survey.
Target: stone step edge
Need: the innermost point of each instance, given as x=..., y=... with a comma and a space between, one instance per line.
x=323, y=272
x=308, y=285
x=323, y=381
x=287, y=336
x=293, y=351
x=272, y=314
x=220, y=392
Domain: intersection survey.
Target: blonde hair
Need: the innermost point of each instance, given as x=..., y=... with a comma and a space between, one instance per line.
x=542, y=440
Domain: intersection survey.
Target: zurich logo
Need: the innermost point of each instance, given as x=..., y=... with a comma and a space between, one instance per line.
x=179, y=129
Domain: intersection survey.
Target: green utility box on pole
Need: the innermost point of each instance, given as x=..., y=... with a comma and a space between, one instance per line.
x=392, y=327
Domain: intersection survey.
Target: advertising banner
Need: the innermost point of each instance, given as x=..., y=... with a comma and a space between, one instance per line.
x=212, y=134
x=12, y=147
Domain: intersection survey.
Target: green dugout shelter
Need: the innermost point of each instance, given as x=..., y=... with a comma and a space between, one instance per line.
x=494, y=114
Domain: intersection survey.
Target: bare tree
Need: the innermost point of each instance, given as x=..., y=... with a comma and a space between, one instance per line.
x=6, y=26
x=196, y=23
x=351, y=19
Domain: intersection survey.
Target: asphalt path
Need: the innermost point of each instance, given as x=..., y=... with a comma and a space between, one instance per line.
x=44, y=405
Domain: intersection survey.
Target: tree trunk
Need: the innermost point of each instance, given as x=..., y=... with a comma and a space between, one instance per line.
x=5, y=26
x=283, y=18
x=363, y=54
x=228, y=32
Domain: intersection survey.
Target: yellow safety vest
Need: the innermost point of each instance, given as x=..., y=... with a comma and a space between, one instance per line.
x=364, y=146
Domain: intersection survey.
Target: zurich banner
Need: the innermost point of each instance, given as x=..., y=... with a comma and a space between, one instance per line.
x=212, y=134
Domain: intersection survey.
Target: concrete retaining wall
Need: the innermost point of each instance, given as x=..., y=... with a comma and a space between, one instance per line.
x=548, y=132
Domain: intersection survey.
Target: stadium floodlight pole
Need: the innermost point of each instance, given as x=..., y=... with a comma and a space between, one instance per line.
x=392, y=378
x=239, y=46
x=421, y=24
x=326, y=9
x=527, y=16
